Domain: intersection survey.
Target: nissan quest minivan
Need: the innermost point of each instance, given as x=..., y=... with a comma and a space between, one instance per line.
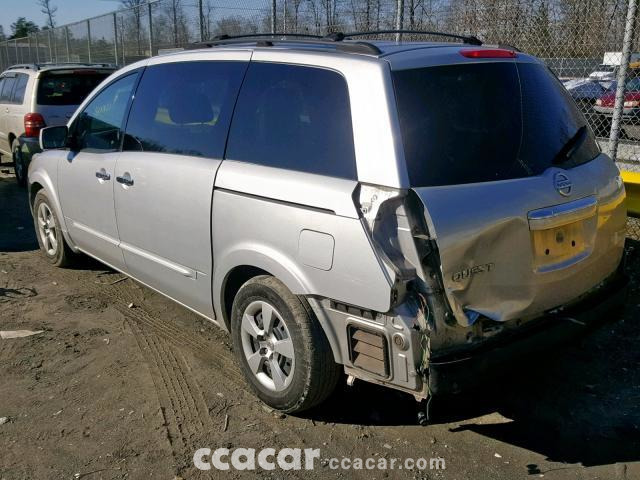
x=412, y=214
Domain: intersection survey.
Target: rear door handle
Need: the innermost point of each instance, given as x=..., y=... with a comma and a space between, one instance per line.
x=126, y=180
x=102, y=175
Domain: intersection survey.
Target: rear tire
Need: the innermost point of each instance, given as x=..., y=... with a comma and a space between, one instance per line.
x=280, y=346
x=18, y=164
x=49, y=232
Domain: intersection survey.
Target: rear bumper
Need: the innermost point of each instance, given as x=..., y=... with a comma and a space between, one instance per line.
x=467, y=369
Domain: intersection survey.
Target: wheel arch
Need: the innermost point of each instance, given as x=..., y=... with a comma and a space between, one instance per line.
x=41, y=181
x=244, y=265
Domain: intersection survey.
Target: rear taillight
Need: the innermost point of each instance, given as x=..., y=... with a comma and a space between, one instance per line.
x=488, y=53
x=33, y=123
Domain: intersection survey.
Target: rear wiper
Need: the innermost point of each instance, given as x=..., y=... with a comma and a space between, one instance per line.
x=571, y=146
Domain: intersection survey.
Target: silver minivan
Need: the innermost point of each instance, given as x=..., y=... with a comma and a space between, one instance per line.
x=412, y=214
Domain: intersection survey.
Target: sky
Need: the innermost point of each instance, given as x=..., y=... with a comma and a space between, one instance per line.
x=68, y=11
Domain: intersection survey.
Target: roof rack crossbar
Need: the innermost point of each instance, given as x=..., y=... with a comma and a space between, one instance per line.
x=269, y=39
x=339, y=36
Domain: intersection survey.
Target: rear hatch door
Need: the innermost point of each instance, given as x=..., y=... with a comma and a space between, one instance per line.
x=59, y=92
x=526, y=212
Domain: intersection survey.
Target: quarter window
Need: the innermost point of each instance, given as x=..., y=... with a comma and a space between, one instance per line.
x=21, y=86
x=294, y=117
x=184, y=108
x=99, y=126
x=7, y=88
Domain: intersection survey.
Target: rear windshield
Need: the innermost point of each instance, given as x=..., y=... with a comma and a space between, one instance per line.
x=480, y=122
x=68, y=88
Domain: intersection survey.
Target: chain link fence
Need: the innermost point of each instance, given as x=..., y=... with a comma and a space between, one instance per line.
x=591, y=45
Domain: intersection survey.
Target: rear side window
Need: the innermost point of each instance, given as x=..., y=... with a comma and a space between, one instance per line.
x=7, y=89
x=479, y=122
x=294, y=117
x=68, y=88
x=21, y=86
x=184, y=108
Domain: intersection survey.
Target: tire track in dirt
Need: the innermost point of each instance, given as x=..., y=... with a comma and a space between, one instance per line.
x=7, y=351
x=122, y=294
x=185, y=414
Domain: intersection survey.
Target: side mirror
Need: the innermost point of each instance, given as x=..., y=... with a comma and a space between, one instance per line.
x=54, y=137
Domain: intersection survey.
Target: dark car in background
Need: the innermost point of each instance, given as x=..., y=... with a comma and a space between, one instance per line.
x=631, y=107
x=586, y=92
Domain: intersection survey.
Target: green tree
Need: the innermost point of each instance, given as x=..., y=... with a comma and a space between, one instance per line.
x=22, y=28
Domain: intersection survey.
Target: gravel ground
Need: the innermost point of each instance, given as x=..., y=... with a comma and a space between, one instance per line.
x=108, y=391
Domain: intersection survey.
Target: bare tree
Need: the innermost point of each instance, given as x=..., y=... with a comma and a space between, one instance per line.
x=174, y=9
x=136, y=6
x=49, y=10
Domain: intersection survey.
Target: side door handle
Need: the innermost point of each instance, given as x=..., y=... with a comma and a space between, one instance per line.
x=103, y=175
x=125, y=180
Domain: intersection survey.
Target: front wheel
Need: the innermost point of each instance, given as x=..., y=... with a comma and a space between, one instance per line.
x=49, y=232
x=282, y=350
x=18, y=164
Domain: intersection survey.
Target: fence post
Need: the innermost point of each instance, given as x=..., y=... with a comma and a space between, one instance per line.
x=614, y=135
x=284, y=16
x=66, y=43
x=150, y=31
x=37, y=48
x=30, y=54
x=273, y=16
x=399, y=19
x=50, y=49
x=89, y=39
x=15, y=47
x=201, y=14
x=115, y=38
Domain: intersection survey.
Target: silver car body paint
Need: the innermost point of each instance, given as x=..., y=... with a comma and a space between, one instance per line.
x=186, y=225
x=487, y=223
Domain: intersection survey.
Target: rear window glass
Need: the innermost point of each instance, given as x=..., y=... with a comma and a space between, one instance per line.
x=480, y=122
x=68, y=88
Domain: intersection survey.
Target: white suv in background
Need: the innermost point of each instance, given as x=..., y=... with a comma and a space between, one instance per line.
x=33, y=96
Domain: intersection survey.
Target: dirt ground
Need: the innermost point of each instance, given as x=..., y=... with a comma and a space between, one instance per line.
x=112, y=392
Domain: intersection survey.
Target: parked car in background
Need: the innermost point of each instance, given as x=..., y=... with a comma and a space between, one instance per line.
x=631, y=107
x=417, y=215
x=33, y=96
x=586, y=93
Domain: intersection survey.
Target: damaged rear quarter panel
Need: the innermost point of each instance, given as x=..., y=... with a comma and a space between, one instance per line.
x=485, y=244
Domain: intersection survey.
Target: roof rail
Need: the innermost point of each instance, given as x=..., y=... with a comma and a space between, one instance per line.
x=339, y=36
x=269, y=39
x=80, y=64
x=39, y=66
x=31, y=66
